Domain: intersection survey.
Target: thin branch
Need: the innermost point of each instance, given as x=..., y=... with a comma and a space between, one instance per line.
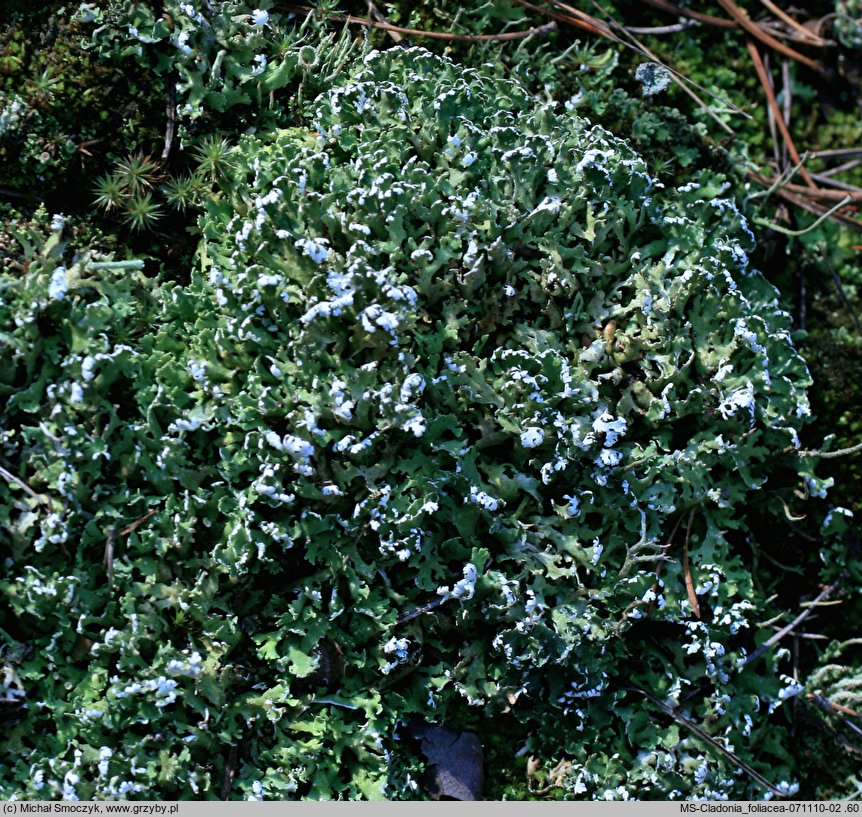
x=586, y=22
x=841, y=711
x=837, y=280
x=835, y=153
x=767, y=39
x=807, y=35
x=722, y=22
x=689, y=584
x=658, y=30
x=598, y=30
x=660, y=565
x=639, y=47
x=828, y=180
x=588, y=18
x=229, y=772
x=434, y=35
x=812, y=636
x=682, y=83
x=778, y=152
x=830, y=455
x=832, y=214
x=418, y=611
x=110, y=541
x=845, y=710
x=136, y=524
x=780, y=32
x=171, y=124
x=787, y=91
x=789, y=628
x=834, y=171
x=374, y=12
x=682, y=719
x=825, y=195
x=709, y=19
x=445, y=35
x=775, y=186
x=10, y=477
x=818, y=603
x=779, y=118
x=795, y=233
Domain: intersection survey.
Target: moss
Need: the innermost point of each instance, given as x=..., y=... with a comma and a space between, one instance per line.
x=835, y=361
x=78, y=111
x=267, y=625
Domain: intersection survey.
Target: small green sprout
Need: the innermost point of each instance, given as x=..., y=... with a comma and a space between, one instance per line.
x=44, y=85
x=215, y=157
x=181, y=192
x=111, y=192
x=142, y=213
x=139, y=172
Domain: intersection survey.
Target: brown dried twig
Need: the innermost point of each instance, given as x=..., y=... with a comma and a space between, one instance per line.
x=111, y=541
x=779, y=152
x=10, y=477
x=837, y=709
x=660, y=565
x=374, y=12
x=827, y=196
x=812, y=636
x=171, y=124
x=834, y=171
x=789, y=628
x=654, y=31
x=779, y=116
x=775, y=186
x=756, y=31
x=826, y=178
x=229, y=772
x=573, y=16
x=434, y=35
x=836, y=153
x=829, y=455
x=806, y=34
x=464, y=38
x=693, y=727
x=844, y=710
x=787, y=92
x=709, y=19
x=689, y=583
x=108, y=560
x=137, y=523
x=637, y=46
x=591, y=25
x=87, y=143
x=418, y=611
x=682, y=82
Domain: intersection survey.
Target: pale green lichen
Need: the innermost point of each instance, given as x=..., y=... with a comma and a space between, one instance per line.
x=449, y=350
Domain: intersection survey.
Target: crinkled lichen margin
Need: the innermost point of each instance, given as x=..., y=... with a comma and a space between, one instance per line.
x=449, y=349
